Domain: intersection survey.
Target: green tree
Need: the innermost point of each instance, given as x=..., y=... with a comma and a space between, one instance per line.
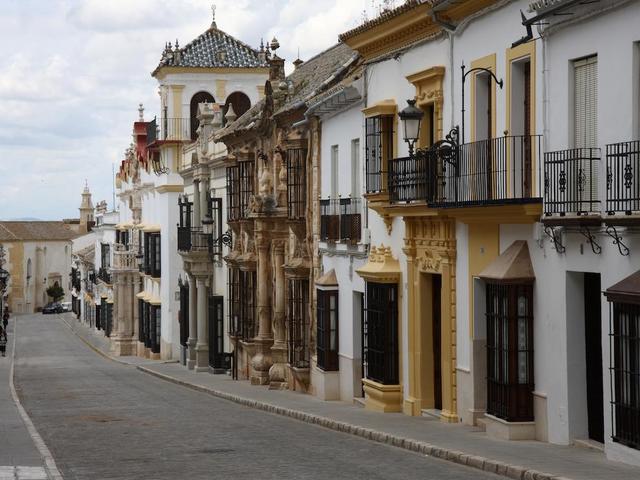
x=56, y=292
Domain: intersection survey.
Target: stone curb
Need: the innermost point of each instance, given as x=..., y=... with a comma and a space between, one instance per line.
x=91, y=345
x=455, y=456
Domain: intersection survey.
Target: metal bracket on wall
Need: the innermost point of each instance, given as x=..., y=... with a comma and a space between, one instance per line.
x=617, y=240
x=555, y=238
x=586, y=233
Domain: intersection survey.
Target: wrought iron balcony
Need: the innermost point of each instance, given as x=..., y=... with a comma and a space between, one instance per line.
x=340, y=220
x=571, y=183
x=350, y=220
x=623, y=184
x=329, y=220
x=168, y=130
x=193, y=239
x=104, y=275
x=488, y=172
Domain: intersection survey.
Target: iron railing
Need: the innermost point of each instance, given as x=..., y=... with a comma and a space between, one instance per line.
x=168, y=130
x=623, y=184
x=350, y=220
x=571, y=182
x=104, y=275
x=191, y=239
x=329, y=220
x=493, y=171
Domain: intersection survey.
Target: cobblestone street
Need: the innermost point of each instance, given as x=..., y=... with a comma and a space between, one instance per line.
x=104, y=420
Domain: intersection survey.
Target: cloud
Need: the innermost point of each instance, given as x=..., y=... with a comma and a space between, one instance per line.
x=75, y=71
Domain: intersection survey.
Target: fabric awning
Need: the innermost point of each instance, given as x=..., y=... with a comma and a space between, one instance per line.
x=513, y=265
x=626, y=290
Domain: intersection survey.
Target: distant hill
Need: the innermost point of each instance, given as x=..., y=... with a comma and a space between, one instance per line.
x=24, y=219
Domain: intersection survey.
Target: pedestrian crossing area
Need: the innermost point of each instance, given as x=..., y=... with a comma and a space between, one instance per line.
x=22, y=473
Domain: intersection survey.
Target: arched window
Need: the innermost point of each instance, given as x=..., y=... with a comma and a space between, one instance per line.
x=198, y=98
x=240, y=101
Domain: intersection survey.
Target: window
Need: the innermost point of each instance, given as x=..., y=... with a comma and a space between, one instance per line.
x=329, y=220
x=355, y=168
x=152, y=265
x=242, y=304
x=585, y=112
x=216, y=331
x=233, y=193
x=327, y=330
x=335, y=172
x=154, y=324
x=246, y=173
x=198, y=98
x=298, y=323
x=379, y=150
x=141, y=324
x=509, y=312
x=625, y=375
x=296, y=183
x=184, y=227
x=380, y=333
x=215, y=212
x=105, y=257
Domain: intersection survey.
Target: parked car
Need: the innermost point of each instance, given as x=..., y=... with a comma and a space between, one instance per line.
x=52, y=307
x=66, y=306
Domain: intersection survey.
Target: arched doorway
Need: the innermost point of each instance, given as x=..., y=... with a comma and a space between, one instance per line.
x=198, y=98
x=240, y=101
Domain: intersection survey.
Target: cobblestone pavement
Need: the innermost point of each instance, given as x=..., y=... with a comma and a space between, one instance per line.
x=104, y=420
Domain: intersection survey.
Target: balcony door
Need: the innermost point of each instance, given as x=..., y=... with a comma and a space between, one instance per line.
x=521, y=125
x=585, y=121
x=483, y=135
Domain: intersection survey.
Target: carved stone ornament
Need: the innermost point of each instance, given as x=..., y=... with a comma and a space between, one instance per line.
x=429, y=263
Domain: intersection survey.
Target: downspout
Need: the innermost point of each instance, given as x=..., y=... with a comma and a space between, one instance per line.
x=363, y=166
x=450, y=30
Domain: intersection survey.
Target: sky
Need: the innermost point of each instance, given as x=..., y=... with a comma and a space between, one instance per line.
x=73, y=72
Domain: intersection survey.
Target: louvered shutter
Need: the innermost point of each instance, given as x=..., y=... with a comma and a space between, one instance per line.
x=586, y=126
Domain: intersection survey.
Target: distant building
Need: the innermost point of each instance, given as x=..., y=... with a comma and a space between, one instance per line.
x=38, y=255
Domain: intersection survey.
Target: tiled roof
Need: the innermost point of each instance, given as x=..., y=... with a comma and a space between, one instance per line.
x=87, y=253
x=205, y=52
x=310, y=79
x=542, y=4
x=40, y=230
x=383, y=17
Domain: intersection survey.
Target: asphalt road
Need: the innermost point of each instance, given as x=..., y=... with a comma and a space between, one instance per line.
x=104, y=420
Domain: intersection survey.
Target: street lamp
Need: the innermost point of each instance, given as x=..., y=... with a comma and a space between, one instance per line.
x=411, y=118
x=207, y=225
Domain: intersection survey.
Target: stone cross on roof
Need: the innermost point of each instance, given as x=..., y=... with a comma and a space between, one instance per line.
x=213, y=15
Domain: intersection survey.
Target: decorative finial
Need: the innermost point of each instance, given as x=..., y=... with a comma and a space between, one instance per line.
x=275, y=44
x=140, y=113
x=177, y=46
x=213, y=15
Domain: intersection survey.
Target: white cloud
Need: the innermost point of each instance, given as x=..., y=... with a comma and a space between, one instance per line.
x=74, y=72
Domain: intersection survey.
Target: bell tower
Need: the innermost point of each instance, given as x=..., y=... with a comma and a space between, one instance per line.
x=86, y=210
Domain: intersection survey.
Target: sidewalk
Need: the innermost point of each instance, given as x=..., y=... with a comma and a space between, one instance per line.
x=456, y=443
x=19, y=457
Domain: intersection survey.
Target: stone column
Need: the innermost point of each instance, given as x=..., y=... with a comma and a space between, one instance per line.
x=277, y=372
x=204, y=193
x=261, y=361
x=196, y=204
x=193, y=319
x=202, y=346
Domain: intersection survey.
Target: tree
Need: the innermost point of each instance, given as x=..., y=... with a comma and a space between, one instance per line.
x=56, y=292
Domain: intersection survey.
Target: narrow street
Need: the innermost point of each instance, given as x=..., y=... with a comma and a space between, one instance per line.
x=104, y=420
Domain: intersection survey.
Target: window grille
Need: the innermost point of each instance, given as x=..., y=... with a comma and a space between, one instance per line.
x=327, y=330
x=509, y=312
x=296, y=183
x=298, y=323
x=246, y=171
x=379, y=150
x=329, y=220
x=215, y=212
x=233, y=194
x=216, y=331
x=380, y=333
x=242, y=294
x=624, y=335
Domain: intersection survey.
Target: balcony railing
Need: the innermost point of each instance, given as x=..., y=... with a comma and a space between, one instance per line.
x=124, y=259
x=193, y=239
x=329, y=220
x=623, y=184
x=168, y=130
x=494, y=171
x=104, y=275
x=571, y=182
x=340, y=220
x=350, y=220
